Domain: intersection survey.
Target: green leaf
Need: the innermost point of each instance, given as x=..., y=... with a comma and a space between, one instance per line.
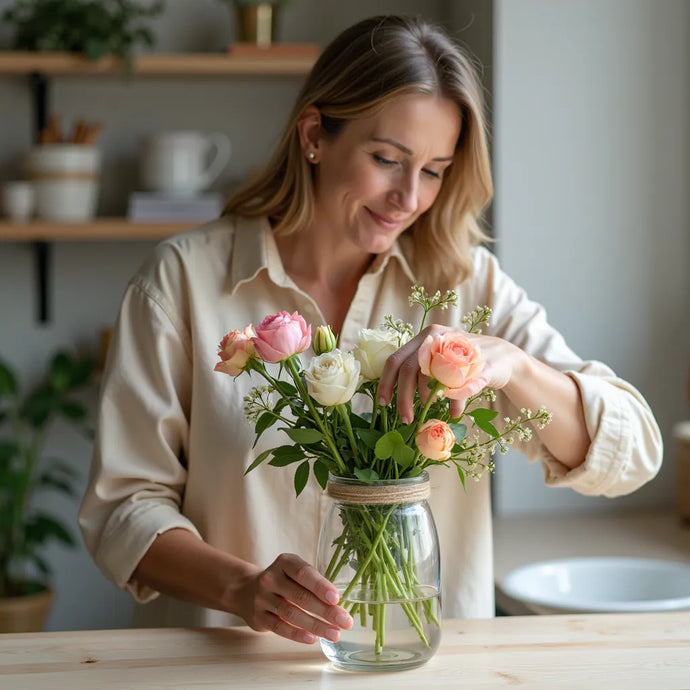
x=74, y=411
x=43, y=527
x=286, y=389
x=406, y=431
x=359, y=422
x=58, y=483
x=258, y=460
x=8, y=384
x=366, y=474
x=482, y=418
x=265, y=421
x=321, y=473
x=403, y=456
x=414, y=472
x=461, y=474
x=386, y=445
x=286, y=455
x=60, y=372
x=39, y=406
x=368, y=436
x=459, y=431
x=304, y=435
x=301, y=477
x=8, y=451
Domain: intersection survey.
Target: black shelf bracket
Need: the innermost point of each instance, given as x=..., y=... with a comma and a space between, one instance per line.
x=38, y=83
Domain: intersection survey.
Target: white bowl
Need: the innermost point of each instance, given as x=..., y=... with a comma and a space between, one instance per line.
x=600, y=585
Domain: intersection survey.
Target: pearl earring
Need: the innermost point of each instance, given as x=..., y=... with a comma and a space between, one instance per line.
x=312, y=155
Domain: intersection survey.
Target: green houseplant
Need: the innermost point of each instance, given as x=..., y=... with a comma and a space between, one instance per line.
x=25, y=474
x=91, y=27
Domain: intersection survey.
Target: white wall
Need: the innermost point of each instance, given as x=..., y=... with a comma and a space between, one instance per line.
x=592, y=168
x=88, y=278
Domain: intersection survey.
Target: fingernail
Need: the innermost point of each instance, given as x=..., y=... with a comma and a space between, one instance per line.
x=343, y=620
x=382, y=400
x=332, y=597
x=333, y=635
x=405, y=420
x=309, y=638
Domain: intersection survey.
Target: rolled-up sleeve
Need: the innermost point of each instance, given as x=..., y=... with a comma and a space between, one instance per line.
x=626, y=447
x=138, y=471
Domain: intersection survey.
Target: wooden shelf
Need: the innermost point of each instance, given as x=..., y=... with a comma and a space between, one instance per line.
x=97, y=230
x=174, y=64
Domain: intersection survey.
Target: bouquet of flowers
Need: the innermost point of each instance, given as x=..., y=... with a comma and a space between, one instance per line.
x=314, y=407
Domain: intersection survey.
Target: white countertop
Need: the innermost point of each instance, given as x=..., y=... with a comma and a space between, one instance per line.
x=519, y=540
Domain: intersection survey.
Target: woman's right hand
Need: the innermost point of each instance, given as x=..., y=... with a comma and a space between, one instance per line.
x=293, y=600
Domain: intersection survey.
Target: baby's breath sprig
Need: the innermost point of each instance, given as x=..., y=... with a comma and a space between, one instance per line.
x=477, y=317
x=419, y=296
x=257, y=401
x=404, y=330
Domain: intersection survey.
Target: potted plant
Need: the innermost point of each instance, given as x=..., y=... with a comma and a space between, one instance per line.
x=25, y=475
x=91, y=27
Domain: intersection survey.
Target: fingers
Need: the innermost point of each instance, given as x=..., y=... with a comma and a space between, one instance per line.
x=402, y=367
x=299, y=603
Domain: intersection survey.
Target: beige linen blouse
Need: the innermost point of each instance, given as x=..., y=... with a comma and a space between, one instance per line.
x=173, y=443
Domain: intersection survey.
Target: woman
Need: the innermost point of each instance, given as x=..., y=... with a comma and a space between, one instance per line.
x=377, y=184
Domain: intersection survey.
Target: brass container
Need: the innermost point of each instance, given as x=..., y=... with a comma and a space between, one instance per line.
x=256, y=23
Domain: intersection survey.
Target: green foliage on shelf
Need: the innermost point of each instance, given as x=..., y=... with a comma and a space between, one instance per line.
x=25, y=473
x=91, y=27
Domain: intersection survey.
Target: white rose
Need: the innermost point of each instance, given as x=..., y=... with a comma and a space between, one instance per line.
x=333, y=377
x=375, y=346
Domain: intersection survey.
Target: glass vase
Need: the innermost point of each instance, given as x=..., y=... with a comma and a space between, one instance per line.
x=378, y=544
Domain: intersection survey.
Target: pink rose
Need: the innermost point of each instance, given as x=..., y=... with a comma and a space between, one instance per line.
x=451, y=359
x=435, y=440
x=280, y=336
x=234, y=351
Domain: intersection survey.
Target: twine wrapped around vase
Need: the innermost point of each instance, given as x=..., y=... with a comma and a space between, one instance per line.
x=384, y=493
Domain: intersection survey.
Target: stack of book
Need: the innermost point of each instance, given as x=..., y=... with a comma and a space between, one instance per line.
x=153, y=206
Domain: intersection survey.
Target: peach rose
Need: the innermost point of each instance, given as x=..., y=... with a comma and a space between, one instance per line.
x=280, y=336
x=234, y=351
x=451, y=359
x=435, y=439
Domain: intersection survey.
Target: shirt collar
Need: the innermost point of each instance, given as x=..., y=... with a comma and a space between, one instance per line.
x=255, y=250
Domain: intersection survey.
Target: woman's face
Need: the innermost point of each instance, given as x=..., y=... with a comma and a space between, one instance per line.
x=382, y=172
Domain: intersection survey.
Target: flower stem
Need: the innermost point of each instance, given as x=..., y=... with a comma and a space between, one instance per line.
x=294, y=372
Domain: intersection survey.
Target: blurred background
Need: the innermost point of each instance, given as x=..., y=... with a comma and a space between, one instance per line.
x=589, y=103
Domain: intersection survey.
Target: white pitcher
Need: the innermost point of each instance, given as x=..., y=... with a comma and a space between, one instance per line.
x=181, y=163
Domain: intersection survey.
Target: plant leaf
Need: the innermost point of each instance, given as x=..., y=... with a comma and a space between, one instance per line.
x=304, y=435
x=8, y=384
x=482, y=418
x=461, y=474
x=366, y=474
x=386, y=445
x=286, y=455
x=73, y=410
x=60, y=372
x=286, y=388
x=258, y=460
x=459, y=431
x=301, y=477
x=368, y=436
x=321, y=473
x=403, y=456
x=265, y=421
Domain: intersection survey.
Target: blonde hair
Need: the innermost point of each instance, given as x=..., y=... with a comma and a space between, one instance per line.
x=361, y=70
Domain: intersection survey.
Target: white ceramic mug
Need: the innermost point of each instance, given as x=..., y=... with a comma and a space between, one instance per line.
x=66, y=180
x=18, y=200
x=181, y=164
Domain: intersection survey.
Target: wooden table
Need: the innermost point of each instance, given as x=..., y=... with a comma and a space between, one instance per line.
x=629, y=651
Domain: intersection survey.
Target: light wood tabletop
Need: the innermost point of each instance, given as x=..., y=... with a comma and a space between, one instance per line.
x=630, y=651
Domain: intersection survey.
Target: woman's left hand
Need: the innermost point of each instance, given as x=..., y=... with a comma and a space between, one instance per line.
x=501, y=358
